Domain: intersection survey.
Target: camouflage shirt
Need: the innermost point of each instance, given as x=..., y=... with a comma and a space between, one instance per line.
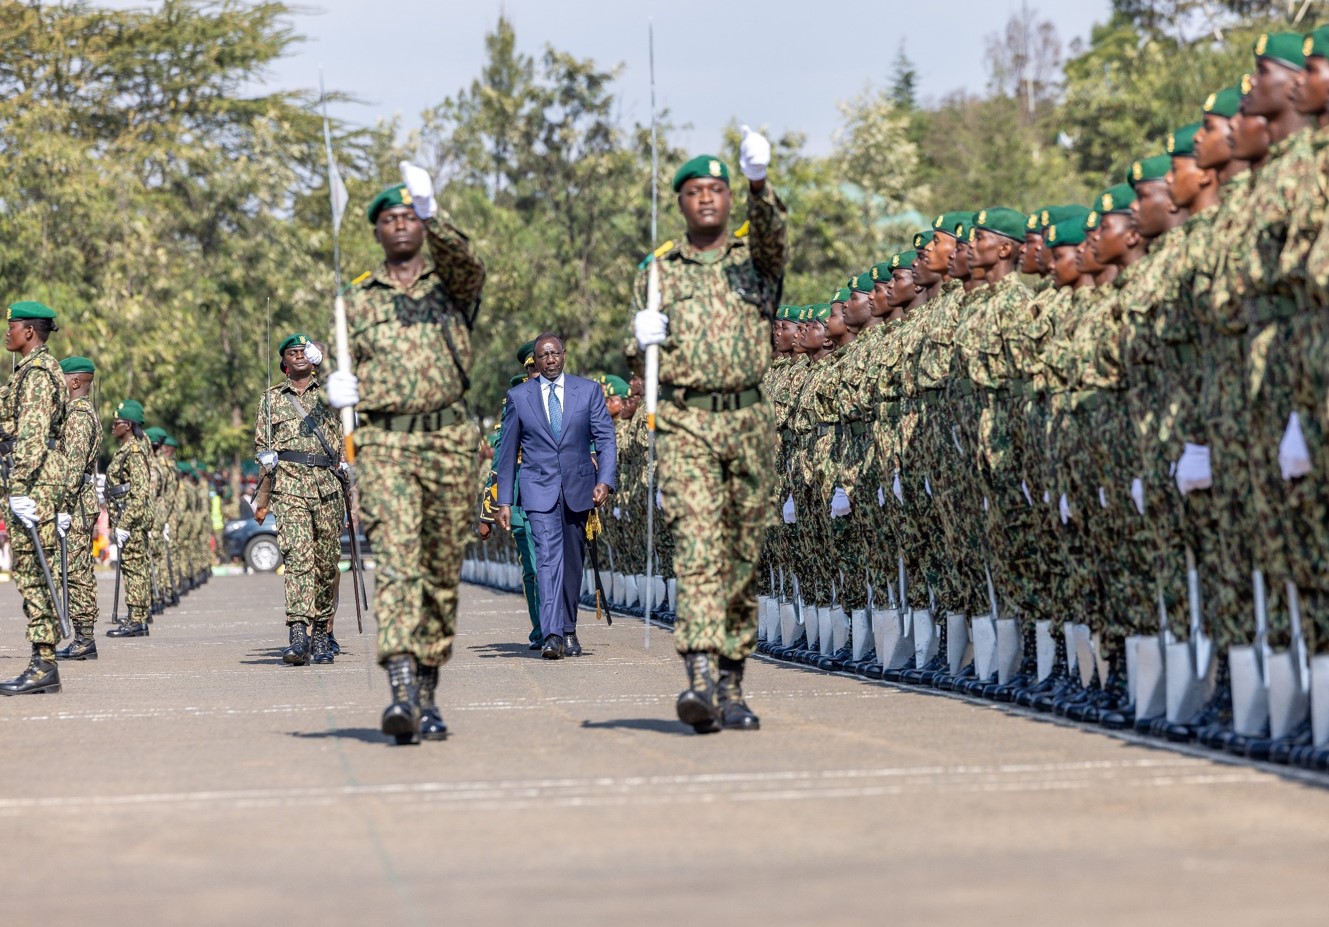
x=132, y=510
x=939, y=318
x=399, y=335
x=1304, y=262
x=720, y=303
x=983, y=340
x=81, y=443
x=278, y=427
x=33, y=402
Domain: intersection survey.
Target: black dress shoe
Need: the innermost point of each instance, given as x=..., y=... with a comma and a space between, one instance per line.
x=571, y=646
x=80, y=648
x=553, y=648
x=129, y=629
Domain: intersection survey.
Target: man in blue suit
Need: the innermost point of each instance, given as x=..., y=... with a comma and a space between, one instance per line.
x=553, y=420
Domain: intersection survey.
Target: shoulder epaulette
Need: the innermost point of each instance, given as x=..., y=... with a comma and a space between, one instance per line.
x=362, y=278
x=656, y=255
x=743, y=230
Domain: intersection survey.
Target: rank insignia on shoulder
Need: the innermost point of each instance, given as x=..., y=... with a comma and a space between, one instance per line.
x=656, y=254
x=743, y=230
x=362, y=278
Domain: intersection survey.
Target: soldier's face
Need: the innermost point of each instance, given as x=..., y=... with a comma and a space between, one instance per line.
x=902, y=287
x=813, y=337
x=1085, y=261
x=987, y=248
x=1271, y=89
x=1213, y=143
x=1065, y=265
x=783, y=336
x=16, y=336
x=1153, y=209
x=1185, y=181
x=959, y=267
x=1114, y=238
x=858, y=311
x=881, y=306
x=1033, y=257
x=295, y=361
x=614, y=404
x=1250, y=137
x=835, y=325
x=923, y=274
x=400, y=232
x=705, y=203
x=937, y=255
x=120, y=428
x=1310, y=92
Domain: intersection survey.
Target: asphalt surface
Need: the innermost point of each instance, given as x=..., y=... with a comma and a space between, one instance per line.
x=191, y=778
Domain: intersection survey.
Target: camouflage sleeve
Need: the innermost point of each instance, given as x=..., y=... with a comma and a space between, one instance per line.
x=137, y=513
x=37, y=405
x=768, y=238
x=462, y=272
x=80, y=439
x=261, y=420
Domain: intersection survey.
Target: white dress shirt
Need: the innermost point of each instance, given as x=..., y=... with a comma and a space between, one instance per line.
x=545, y=386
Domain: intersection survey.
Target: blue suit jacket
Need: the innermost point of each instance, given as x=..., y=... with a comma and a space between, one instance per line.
x=553, y=470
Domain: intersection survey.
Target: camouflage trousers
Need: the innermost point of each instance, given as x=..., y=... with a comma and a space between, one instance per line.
x=309, y=535
x=812, y=542
x=852, y=534
x=715, y=476
x=136, y=576
x=1054, y=573
x=43, y=625
x=928, y=563
x=416, y=495
x=82, y=581
x=1072, y=470
x=958, y=489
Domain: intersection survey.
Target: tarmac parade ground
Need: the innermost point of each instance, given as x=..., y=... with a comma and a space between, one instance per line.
x=190, y=777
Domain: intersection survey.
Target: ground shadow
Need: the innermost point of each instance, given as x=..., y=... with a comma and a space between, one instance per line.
x=656, y=725
x=367, y=735
x=490, y=651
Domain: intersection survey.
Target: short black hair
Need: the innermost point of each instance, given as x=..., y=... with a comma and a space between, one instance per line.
x=43, y=327
x=546, y=336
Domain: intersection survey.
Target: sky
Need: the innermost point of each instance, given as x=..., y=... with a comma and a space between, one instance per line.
x=783, y=64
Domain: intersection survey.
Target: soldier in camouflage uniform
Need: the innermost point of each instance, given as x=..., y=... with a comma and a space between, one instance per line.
x=292, y=447
x=81, y=443
x=129, y=501
x=719, y=293
x=410, y=325
x=165, y=479
x=32, y=412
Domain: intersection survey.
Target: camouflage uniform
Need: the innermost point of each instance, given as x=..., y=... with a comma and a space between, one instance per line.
x=416, y=443
x=306, y=497
x=782, y=538
x=129, y=498
x=714, y=466
x=33, y=404
x=81, y=444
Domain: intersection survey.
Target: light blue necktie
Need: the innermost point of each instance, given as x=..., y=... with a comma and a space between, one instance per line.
x=555, y=413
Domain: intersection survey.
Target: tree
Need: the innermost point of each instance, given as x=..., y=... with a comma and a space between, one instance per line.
x=1024, y=62
x=904, y=81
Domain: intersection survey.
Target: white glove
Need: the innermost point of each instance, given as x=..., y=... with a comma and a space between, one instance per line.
x=754, y=155
x=343, y=389
x=1294, y=457
x=927, y=485
x=881, y=497
x=788, y=511
x=313, y=354
x=839, y=503
x=166, y=532
x=62, y=523
x=1102, y=497
x=421, y=188
x=1194, y=470
x=1137, y=493
x=1064, y=509
x=121, y=536
x=25, y=509
x=617, y=513
x=1024, y=488
x=267, y=460
x=344, y=467
x=650, y=327
x=897, y=488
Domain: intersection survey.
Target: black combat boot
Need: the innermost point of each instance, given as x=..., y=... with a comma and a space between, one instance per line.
x=134, y=625
x=735, y=715
x=320, y=648
x=297, y=654
x=401, y=719
x=699, y=703
x=82, y=647
x=42, y=675
x=431, y=721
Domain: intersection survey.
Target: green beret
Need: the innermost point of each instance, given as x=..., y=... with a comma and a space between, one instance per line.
x=1113, y=199
x=1034, y=223
x=77, y=364
x=185, y=467
x=841, y=296
x=526, y=354
x=1149, y=170
x=612, y=385
x=1316, y=44
x=28, y=310
x=131, y=410
x=1054, y=214
x=1282, y=47
x=904, y=260
x=517, y=378
x=788, y=313
x=171, y=442
x=862, y=283
x=1181, y=143
x=292, y=341
x=396, y=195
x=819, y=312
x=155, y=434
x=922, y=240
x=882, y=272
x=1066, y=233
x=1225, y=102
x=701, y=166
x=950, y=222
x=1003, y=221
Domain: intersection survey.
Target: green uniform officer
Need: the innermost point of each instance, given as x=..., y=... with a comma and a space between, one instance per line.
x=129, y=499
x=81, y=443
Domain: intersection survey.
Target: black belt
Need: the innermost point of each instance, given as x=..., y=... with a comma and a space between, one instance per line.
x=307, y=460
x=858, y=429
x=421, y=421
x=1185, y=353
x=113, y=492
x=711, y=402
x=963, y=387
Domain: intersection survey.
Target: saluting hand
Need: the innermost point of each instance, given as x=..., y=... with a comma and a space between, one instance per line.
x=421, y=187
x=754, y=155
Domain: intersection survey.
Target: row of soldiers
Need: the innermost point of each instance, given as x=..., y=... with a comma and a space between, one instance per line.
x=1034, y=449
x=50, y=445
